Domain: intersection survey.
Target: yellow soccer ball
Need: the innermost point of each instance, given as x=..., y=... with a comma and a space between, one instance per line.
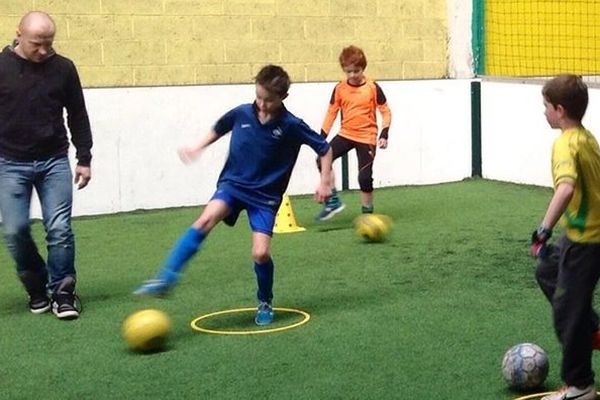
x=146, y=330
x=373, y=227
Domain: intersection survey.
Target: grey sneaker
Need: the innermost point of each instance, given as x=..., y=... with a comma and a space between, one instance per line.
x=64, y=299
x=572, y=392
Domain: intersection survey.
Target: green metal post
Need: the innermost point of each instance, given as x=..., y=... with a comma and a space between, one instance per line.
x=476, y=129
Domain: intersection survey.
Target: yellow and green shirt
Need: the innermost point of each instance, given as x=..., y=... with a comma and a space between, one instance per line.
x=576, y=158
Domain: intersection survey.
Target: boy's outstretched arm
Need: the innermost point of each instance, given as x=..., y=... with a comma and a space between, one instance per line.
x=324, y=189
x=189, y=153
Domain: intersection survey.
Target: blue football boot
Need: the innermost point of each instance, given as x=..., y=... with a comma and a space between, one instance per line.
x=264, y=314
x=159, y=286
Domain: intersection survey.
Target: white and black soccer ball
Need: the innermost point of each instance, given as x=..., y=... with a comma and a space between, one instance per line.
x=525, y=366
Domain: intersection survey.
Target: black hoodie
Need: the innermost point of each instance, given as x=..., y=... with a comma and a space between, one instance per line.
x=32, y=98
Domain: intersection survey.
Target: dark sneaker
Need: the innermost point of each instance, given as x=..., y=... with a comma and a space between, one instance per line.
x=39, y=304
x=35, y=285
x=367, y=209
x=330, y=209
x=264, y=314
x=63, y=300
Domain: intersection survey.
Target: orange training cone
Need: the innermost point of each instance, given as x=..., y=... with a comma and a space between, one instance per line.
x=285, y=222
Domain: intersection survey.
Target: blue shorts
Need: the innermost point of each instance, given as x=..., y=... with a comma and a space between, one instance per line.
x=261, y=219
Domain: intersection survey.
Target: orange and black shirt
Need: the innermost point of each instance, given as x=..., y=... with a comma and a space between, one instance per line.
x=357, y=106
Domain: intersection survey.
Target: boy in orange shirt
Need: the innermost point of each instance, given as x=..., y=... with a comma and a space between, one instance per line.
x=357, y=98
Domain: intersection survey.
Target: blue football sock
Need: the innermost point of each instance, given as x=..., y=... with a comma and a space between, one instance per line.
x=264, y=278
x=185, y=248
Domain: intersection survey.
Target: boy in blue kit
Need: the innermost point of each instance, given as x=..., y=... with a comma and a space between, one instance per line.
x=568, y=272
x=264, y=146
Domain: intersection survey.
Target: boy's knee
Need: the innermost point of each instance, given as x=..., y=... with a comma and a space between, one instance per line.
x=261, y=256
x=365, y=183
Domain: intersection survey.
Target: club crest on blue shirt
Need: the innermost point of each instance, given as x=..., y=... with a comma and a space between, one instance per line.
x=277, y=132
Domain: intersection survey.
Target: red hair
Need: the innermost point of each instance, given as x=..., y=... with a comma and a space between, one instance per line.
x=353, y=55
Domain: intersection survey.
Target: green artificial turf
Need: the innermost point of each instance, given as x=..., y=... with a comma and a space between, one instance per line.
x=426, y=315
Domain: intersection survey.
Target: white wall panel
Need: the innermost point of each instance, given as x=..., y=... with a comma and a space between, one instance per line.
x=138, y=130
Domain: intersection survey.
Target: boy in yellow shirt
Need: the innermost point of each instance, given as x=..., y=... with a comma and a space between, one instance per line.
x=569, y=271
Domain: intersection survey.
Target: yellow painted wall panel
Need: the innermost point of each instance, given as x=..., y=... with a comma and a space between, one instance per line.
x=265, y=51
x=222, y=27
x=134, y=52
x=162, y=42
x=385, y=30
x=169, y=74
x=132, y=7
x=283, y=28
x=415, y=70
x=81, y=52
x=324, y=29
x=224, y=73
x=168, y=27
x=100, y=27
x=8, y=28
x=329, y=71
x=303, y=8
x=106, y=76
x=387, y=70
x=190, y=52
x=194, y=7
x=353, y=8
x=247, y=8
x=406, y=9
x=297, y=72
x=292, y=52
x=69, y=6
x=15, y=7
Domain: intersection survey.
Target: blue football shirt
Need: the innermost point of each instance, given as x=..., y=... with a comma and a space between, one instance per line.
x=262, y=156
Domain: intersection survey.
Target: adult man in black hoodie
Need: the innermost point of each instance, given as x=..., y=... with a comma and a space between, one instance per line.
x=36, y=84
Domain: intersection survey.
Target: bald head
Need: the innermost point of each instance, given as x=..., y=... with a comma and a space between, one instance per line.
x=35, y=36
x=37, y=22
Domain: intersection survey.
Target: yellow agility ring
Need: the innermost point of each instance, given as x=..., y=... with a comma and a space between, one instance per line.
x=195, y=326
x=535, y=396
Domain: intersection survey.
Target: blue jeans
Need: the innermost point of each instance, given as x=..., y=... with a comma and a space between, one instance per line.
x=52, y=180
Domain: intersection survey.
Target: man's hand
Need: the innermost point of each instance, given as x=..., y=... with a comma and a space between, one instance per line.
x=82, y=176
x=539, y=237
x=322, y=193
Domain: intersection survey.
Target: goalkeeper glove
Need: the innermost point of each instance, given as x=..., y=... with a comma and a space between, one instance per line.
x=539, y=237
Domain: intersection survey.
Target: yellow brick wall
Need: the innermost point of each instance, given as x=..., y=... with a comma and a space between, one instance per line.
x=181, y=42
